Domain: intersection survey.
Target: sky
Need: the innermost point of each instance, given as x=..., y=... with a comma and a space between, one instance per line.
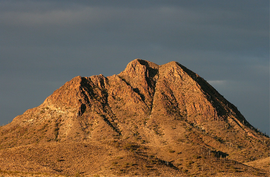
x=45, y=43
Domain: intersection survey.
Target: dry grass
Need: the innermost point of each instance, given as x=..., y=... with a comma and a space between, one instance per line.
x=263, y=164
x=117, y=158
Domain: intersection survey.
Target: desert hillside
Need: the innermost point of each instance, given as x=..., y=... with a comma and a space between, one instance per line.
x=148, y=120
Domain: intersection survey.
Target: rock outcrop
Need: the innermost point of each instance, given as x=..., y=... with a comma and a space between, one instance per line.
x=150, y=106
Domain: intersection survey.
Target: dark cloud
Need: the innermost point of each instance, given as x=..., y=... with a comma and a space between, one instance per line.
x=46, y=43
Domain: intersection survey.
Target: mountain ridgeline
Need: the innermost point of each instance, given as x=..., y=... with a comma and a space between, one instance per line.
x=147, y=120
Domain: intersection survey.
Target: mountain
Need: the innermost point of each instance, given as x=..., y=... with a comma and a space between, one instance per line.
x=157, y=120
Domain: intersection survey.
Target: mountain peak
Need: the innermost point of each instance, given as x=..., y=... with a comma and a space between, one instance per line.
x=148, y=109
x=142, y=68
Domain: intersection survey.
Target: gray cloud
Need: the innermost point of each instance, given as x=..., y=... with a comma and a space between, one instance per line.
x=46, y=43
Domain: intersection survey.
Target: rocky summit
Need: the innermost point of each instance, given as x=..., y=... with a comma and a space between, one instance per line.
x=148, y=120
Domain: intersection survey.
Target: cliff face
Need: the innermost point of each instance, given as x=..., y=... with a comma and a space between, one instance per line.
x=146, y=104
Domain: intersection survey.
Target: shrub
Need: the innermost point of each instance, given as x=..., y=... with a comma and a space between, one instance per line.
x=130, y=146
x=171, y=151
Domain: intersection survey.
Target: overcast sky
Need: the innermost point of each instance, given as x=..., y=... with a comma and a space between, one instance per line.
x=45, y=43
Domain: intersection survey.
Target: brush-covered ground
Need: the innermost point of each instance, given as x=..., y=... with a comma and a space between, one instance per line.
x=120, y=158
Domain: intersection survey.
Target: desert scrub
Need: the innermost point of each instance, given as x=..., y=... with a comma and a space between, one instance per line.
x=77, y=174
x=189, y=164
x=171, y=151
x=130, y=146
x=114, y=163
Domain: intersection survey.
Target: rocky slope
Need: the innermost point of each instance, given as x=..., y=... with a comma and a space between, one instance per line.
x=148, y=120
